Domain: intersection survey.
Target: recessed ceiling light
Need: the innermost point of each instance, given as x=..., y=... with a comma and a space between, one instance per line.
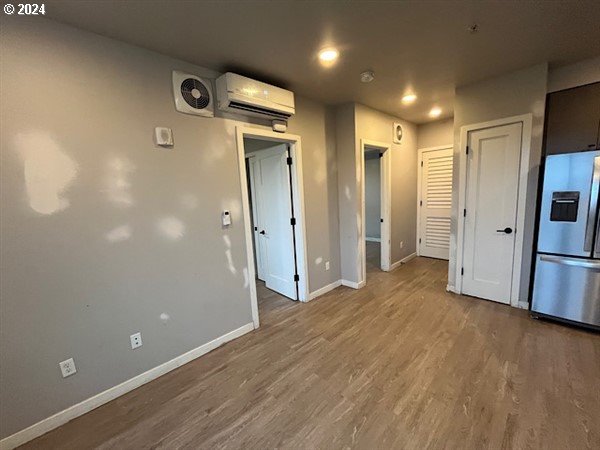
x=435, y=112
x=328, y=55
x=409, y=98
x=367, y=76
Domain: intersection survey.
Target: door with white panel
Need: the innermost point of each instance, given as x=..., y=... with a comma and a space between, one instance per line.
x=435, y=203
x=273, y=213
x=493, y=162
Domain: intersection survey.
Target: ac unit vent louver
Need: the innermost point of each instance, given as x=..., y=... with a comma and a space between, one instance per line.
x=258, y=109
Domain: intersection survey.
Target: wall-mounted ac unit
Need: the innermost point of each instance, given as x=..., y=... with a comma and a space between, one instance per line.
x=241, y=95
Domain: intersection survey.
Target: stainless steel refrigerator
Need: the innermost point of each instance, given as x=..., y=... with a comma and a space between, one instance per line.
x=567, y=268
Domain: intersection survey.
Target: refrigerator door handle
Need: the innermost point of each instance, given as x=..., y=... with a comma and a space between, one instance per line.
x=597, y=250
x=591, y=217
x=584, y=264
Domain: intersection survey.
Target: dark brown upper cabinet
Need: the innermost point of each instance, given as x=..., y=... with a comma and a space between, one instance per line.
x=573, y=120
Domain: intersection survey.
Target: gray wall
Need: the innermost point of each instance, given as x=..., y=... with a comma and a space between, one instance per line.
x=377, y=126
x=104, y=234
x=348, y=201
x=517, y=93
x=372, y=195
x=436, y=134
x=316, y=125
x=353, y=123
x=573, y=75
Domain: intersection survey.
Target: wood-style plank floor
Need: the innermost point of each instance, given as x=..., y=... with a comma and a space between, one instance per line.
x=399, y=364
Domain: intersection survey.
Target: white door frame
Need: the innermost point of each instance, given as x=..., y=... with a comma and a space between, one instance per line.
x=526, y=121
x=385, y=165
x=421, y=151
x=298, y=201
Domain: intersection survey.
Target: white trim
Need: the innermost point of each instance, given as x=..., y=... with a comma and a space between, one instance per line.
x=419, y=182
x=372, y=239
x=386, y=195
x=324, y=290
x=62, y=417
x=353, y=284
x=403, y=261
x=526, y=120
x=450, y=288
x=523, y=305
x=298, y=196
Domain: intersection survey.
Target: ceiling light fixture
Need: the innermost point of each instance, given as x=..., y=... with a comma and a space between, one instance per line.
x=367, y=76
x=328, y=55
x=409, y=98
x=435, y=112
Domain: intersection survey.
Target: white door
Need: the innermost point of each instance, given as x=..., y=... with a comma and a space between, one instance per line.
x=274, y=211
x=491, y=211
x=435, y=204
x=258, y=248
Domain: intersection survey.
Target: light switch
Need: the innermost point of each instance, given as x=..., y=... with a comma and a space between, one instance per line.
x=226, y=218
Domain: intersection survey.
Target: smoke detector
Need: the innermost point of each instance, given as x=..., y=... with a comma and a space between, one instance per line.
x=367, y=76
x=473, y=28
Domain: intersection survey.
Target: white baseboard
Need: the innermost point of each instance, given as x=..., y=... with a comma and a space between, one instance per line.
x=324, y=290
x=372, y=239
x=353, y=284
x=403, y=261
x=450, y=288
x=523, y=305
x=62, y=417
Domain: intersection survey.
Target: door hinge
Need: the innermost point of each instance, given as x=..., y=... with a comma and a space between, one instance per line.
x=420, y=202
x=381, y=220
x=293, y=221
x=296, y=277
x=381, y=155
x=462, y=271
x=419, y=240
x=289, y=160
x=464, y=213
x=467, y=149
x=421, y=163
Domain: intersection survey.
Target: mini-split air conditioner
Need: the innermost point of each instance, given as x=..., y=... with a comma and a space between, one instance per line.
x=241, y=95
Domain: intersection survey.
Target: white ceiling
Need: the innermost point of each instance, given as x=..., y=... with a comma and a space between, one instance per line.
x=419, y=45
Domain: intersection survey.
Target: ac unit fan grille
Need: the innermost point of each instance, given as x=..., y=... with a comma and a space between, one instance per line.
x=195, y=93
x=258, y=109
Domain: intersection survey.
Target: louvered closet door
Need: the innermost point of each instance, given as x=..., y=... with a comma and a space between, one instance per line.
x=435, y=203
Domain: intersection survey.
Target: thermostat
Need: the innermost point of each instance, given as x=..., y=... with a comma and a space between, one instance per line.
x=163, y=136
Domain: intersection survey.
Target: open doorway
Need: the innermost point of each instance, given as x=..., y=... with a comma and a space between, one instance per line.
x=272, y=198
x=375, y=207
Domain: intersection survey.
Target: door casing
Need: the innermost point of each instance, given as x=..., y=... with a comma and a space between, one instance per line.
x=295, y=142
x=386, y=194
x=524, y=167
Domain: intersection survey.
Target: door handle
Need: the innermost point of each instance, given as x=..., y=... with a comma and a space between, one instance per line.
x=585, y=264
x=507, y=230
x=262, y=232
x=590, y=225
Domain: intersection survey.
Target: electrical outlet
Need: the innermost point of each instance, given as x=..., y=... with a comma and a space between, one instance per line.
x=326, y=265
x=401, y=244
x=136, y=340
x=67, y=367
